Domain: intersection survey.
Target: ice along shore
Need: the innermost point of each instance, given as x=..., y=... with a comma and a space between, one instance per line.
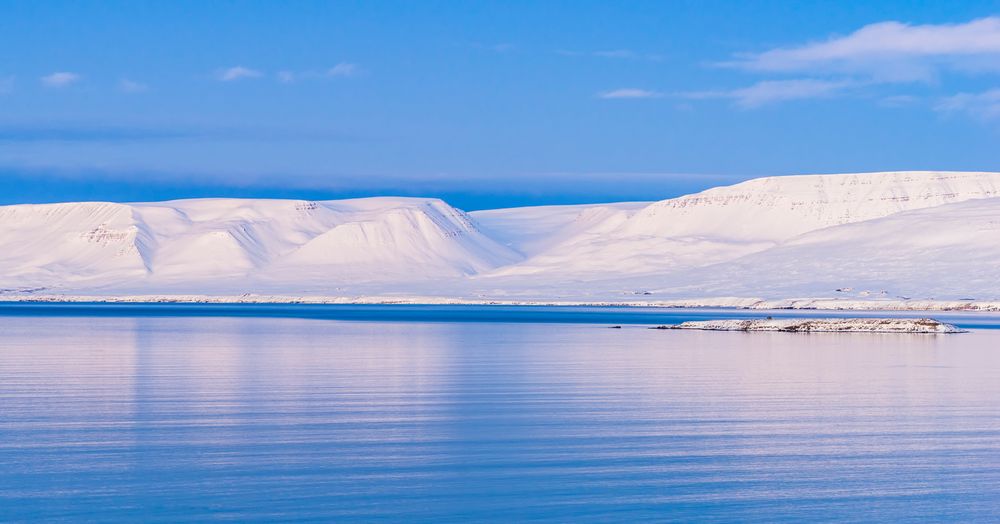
x=823, y=325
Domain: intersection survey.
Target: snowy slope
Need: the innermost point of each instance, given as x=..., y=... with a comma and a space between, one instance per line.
x=778, y=208
x=41, y=244
x=384, y=240
x=725, y=223
x=879, y=235
x=943, y=252
x=532, y=230
x=167, y=243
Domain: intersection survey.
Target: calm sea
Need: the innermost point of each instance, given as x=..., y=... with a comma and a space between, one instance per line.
x=335, y=413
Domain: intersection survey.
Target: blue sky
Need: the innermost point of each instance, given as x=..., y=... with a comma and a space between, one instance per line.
x=485, y=104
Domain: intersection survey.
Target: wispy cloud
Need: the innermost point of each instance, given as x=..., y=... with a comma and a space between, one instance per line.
x=6, y=84
x=341, y=70
x=985, y=105
x=14, y=132
x=616, y=53
x=888, y=51
x=238, y=73
x=131, y=86
x=87, y=133
x=875, y=56
x=629, y=92
x=898, y=100
x=60, y=79
x=621, y=54
x=772, y=91
x=501, y=47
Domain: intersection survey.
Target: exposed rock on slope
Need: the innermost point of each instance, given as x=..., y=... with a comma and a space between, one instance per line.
x=69, y=243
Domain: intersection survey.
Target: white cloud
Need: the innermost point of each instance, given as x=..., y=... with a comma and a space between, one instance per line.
x=898, y=100
x=131, y=86
x=342, y=69
x=629, y=92
x=500, y=47
x=237, y=73
x=880, y=53
x=621, y=54
x=60, y=79
x=889, y=51
x=984, y=105
x=771, y=91
x=616, y=53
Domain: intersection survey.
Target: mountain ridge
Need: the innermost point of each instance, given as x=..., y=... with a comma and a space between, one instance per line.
x=772, y=237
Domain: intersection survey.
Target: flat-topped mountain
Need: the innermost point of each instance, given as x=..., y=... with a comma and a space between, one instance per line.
x=159, y=244
x=725, y=223
x=889, y=235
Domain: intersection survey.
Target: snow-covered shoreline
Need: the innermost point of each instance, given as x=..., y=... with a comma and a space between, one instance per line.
x=823, y=325
x=747, y=303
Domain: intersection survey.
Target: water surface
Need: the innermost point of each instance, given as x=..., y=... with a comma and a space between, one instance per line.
x=163, y=416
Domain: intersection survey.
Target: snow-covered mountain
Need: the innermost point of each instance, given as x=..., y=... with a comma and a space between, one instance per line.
x=189, y=242
x=905, y=234
x=535, y=230
x=725, y=223
x=950, y=251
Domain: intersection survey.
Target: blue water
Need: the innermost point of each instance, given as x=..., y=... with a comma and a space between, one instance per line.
x=332, y=413
x=606, y=315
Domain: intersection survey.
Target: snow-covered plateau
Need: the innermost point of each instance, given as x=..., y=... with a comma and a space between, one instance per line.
x=823, y=325
x=898, y=240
